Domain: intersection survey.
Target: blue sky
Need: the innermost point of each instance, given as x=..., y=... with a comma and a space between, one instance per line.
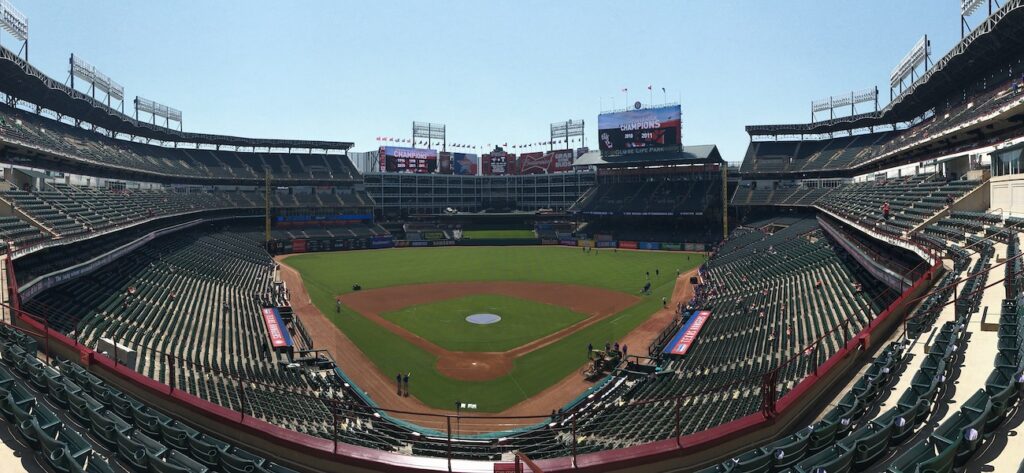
x=493, y=71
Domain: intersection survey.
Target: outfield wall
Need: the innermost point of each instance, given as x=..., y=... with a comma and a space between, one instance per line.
x=311, y=245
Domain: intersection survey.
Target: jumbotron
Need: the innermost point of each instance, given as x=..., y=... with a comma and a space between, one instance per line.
x=848, y=298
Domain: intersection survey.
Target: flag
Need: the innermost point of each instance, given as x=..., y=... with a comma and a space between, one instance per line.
x=648, y=87
x=662, y=89
x=625, y=89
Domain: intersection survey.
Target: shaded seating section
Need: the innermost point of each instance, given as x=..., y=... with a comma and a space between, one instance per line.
x=912, y=200
x=797, y=156
x=684, y=197
x=77, y=423
x=846, y=152
x=92, y=148
x=66, y=210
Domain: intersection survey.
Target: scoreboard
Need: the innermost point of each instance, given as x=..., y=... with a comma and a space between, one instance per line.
x=649, y=130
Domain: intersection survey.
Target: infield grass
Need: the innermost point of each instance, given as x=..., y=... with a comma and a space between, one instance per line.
x=327, y=275
x=444, y=322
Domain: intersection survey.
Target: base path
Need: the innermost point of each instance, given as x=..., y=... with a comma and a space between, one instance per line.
x=380, y=387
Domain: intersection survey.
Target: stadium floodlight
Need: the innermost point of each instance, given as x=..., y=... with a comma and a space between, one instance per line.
x=917, y=56
x=155, y=109
x=847, y=100
x=96, y=79
x=429, y=131
x=565, y=131
x=13, y=21
x=968, y=7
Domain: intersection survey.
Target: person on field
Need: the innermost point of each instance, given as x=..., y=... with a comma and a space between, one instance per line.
x=590, y=349
x=657, y=272
x=664, y=302
x=398, y=381
x=625, y=350
x=405, y=380
x=337, y=306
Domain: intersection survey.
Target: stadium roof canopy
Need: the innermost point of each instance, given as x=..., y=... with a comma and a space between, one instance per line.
x=695, y=154
x=23, y=81
x=999, y=37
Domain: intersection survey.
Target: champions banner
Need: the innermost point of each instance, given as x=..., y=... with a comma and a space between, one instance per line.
x=413, y=160
x=279, y=336
x=646, y=130
x=684, y=339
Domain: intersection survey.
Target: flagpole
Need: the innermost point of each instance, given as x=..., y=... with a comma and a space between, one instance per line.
x=650, y=91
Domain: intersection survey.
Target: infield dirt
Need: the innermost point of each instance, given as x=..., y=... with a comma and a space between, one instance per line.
x=598, y=303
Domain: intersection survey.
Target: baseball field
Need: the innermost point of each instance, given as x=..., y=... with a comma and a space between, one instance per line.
x=411, y=314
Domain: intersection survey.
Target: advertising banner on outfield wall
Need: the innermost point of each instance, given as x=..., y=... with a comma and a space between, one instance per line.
x=567, y=242
x=548, y=241
x=298, y=246
x=382, y=242
x=681, y=343
x=606, y=243
x=627, y=244
x=649, y=245
x=646, y=130
x=671, y=246
x=585, y=243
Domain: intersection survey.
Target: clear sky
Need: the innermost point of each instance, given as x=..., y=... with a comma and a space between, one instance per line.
x=493, y=71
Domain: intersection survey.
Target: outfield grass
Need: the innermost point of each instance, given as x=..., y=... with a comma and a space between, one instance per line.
x=499, y=234
x=444, y=322
x=328, y=274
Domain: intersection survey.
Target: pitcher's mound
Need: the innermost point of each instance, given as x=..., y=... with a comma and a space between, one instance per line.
x=483, y=319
